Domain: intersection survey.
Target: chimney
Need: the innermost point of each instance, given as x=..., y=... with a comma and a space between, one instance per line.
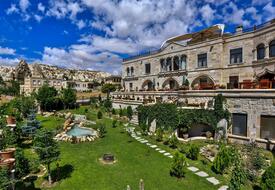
x=239, y=29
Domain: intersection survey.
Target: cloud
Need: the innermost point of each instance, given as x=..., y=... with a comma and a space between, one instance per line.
x=269, y=11
x=41, y=7
x=207, y=14
x=24, y=4
x=38, y=18
x=8, y=61
x=80, y=24
x=7, y=51
x=12, y=9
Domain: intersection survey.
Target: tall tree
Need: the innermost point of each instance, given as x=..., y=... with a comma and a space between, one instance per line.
x=108, y=88
x=5, y=180
x=68, y=97
x=46, y=148
x=46, y=96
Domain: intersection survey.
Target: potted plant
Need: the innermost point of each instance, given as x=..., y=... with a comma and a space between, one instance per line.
x=184, y=132
x=208, y=134
x=11, y=120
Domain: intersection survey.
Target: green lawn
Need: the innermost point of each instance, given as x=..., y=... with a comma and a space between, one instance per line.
x=81, y=169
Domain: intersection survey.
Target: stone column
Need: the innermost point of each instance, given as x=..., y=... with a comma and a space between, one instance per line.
x=254, y=51
x=266, y=52
x=172, y=62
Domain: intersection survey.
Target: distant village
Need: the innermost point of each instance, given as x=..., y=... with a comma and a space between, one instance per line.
x=32, y=76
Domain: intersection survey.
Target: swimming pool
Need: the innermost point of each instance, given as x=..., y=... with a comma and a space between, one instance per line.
x=81, y=132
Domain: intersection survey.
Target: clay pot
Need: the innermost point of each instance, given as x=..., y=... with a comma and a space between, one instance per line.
x=9, y=163
x=11, y=120
x=7, y=153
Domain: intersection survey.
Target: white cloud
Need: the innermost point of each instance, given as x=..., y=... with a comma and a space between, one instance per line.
x=260, y=2
x=38, y=18
x=8, y=61
x=41, y=7
x=269, y=11
x=207, y=14
x=80, y=24
x=7, y=51
x=24, y=4
x=12, y=9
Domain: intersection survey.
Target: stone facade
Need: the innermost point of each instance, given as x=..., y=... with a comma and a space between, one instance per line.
x=218, y=69
x=210, y=61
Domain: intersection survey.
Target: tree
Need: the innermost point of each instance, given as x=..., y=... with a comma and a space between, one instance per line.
x=46, y=148
x=46, y=96
x=178, y=166
x=108, y=88
x=102, y=130
x=22, y=167
x=238, y=177
x=5, y=180
x=99, y=115
x=129, y=112
x=268, y=178
x=68, y=97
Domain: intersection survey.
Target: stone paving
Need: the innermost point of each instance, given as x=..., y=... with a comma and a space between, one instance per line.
x=193, y=169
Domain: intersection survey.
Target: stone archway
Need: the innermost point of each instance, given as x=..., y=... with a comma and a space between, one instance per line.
x=170, y=84
x=147, y=85
x=203, y=82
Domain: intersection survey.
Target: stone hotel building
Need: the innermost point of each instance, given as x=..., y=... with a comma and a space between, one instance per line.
x=191, y=69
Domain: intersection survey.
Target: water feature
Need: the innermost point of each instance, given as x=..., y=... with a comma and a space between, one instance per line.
x=81, y=132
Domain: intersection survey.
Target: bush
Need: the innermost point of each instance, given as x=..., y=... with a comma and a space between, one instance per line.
x=144, y=129
x=102, y=131
x=99, y=115
x=224, y=159
x=114, y=123
x=159, y=134
x=129, y=112
x=22, y=167
x=182, y=149
x=113, y=111
x=173, y=141
x=268, y=178
x=193, y=152
x=238, y=178
x=178, y=165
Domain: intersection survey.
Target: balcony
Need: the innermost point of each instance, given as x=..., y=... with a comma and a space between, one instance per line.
x=172, y=73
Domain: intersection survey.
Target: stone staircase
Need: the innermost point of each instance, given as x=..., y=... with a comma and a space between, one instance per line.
x=134, y=120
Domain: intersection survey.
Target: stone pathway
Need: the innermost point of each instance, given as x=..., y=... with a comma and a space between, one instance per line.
x=193, y=169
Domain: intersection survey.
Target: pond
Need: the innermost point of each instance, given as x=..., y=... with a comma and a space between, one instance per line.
x=81, y=132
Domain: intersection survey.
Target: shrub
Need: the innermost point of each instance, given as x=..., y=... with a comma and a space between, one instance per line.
x=99, y=115
x=129, y=112
x=144, y=129
x=21, y=164
x=102, y=131
x=114, y=123
x=238, y=177
x=173, y=141
x=193, y=152
x=182, y=149
x=268, y=178
x=166, y=140
x=178, y=165
x=113, y=111
x=159, y=134
x=224, y=159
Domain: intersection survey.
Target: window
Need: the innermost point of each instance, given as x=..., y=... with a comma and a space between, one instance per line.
x=176, y=63
x=267, y=127
x=147, y=68
x=131, y=86
x=260, y=51
x=272, y=49
x=233, y=82
x=128, y=71
x=236, y=56
x=183, y=62
x=202, y=60
x=239, y=124
x=162, y=65
x=169, y=64
x=132, y=71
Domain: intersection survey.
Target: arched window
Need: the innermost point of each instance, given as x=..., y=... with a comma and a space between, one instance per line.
x=183, y=62
x=132, y=71
x=260, y=51
x=176, y=63
x=272, y=49
x=128, y=71
x=162, y=65
x=169, y=64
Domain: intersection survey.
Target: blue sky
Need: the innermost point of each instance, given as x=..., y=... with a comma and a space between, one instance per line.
x=97, y=34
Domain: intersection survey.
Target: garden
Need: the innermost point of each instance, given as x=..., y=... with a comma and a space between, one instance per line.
x=133, y=153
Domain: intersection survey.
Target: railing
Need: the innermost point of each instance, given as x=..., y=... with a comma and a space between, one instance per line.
x=142, y=54
x=257, y=27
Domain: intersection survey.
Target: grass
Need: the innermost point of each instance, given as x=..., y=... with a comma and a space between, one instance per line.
x=81, y=169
